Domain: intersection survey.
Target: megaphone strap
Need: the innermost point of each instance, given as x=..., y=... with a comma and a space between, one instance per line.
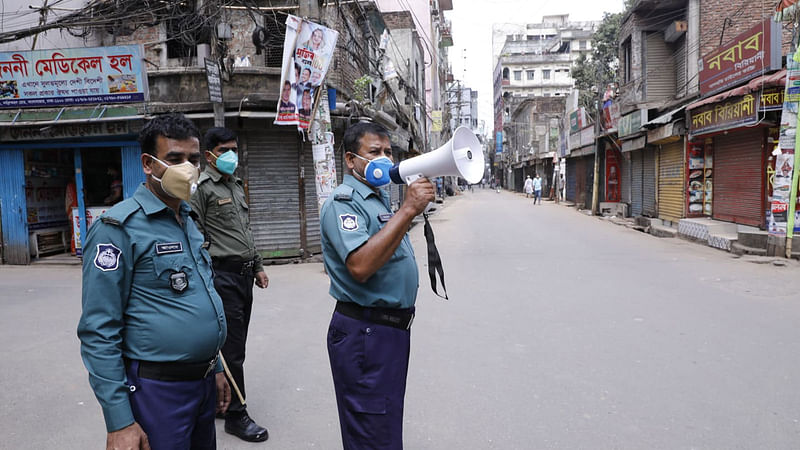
x=434, y=260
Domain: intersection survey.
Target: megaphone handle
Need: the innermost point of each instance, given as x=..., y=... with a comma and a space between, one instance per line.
x=412, y=178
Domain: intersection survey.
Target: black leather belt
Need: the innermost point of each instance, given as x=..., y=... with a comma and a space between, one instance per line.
x=233, y=265
x=397, y=318
x=175, y=371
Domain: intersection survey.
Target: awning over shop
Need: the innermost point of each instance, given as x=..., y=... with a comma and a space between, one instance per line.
x=583, y=151
x=634, y=144
x=665, y=118
x=766, y=81
x=67, y=115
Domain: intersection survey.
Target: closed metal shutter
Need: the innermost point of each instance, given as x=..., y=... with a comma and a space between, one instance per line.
x=649, y=182
x=571, y=178
x=312, y=206
x=660, y=80
x=636, y=182
x=738, y=161
x=680, y=68
x=274, y=191
x=580, y=183
x=588, y=163
x=670, y=181
x=625, y=178
x=14, y=206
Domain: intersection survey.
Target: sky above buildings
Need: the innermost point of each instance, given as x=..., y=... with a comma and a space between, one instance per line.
x=471, y=53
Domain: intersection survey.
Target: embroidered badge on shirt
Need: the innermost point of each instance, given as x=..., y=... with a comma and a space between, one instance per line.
x=107, y=257
x=169, y=247
x=224, y=201
x=349, y=222
x=385, y=217
x=178, y=281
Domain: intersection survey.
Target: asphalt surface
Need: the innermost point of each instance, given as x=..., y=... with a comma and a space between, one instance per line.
x=562, y=331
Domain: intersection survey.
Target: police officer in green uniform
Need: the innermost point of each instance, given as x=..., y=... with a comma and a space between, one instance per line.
x=223, y=217
x=374, y=278
x=152, y=323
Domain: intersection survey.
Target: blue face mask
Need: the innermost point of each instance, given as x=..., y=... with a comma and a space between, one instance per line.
x=377, y=171
x=227, y=162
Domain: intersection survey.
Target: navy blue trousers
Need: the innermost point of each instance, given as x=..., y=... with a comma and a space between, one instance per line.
x=369, y=364
x=175, y=415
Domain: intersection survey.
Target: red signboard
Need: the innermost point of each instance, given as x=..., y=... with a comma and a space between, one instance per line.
x=747, y=56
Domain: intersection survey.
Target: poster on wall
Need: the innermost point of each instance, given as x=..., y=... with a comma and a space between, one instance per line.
x=779, y=177
x=91, y=214
x=324, y=169
x=72, y=76
x=307, y=53
x=612, y=176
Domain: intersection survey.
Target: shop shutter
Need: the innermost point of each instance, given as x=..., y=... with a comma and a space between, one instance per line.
x=571, y=178
x=660, y=80
x=588, y=164
x=132, y=175
x=312, y=206
x=636, y=182
x=649, y=182
x=737, y=194
x=681, y=85
x=273, y=188
x=670, y=182
x=13, y=207
x=580, y=183
x=625, y=178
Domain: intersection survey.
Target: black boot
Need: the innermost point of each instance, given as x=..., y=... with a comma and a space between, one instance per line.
x=242, y=426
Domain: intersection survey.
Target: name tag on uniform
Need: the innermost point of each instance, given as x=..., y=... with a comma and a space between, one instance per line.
x=385, y=217
x=169, y=247
x=224, y=201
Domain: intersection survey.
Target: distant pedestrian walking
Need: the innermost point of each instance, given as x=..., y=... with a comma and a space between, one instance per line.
x=537, y=189
x=528, y=187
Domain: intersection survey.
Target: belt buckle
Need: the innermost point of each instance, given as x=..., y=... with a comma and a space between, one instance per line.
x=211, y=365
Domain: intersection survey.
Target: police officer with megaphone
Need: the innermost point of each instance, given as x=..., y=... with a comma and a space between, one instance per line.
x=374, y=279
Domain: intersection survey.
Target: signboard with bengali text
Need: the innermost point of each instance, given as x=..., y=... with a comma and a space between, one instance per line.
x=734, y=112
x=748, y=55
x=72, y=76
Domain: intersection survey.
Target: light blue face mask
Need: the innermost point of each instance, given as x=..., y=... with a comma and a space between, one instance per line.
x=377, y=171
x=227, y=162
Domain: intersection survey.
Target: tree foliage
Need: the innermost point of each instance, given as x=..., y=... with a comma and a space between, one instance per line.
x=593, y=72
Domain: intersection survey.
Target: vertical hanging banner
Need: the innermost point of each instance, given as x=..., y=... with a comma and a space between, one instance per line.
x=780, y=180
x=307, y=52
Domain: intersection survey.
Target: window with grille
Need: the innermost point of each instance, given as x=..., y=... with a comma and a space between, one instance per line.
x=546, y=74
x=275, y=24
x=182, y=30
x=517, y=75
x=530, y=74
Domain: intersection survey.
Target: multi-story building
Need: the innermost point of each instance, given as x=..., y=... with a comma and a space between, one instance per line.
x=534, y=63
x=463, y=106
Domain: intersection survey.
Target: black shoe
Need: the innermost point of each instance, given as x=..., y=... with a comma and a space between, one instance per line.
x=220, y=415
x=243, y=427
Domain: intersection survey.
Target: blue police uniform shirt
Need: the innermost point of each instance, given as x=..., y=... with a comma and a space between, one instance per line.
x=352, y=214
x=136, y=302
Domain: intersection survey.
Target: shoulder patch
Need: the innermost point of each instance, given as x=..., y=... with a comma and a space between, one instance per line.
x=349, y=222
x=107, y=257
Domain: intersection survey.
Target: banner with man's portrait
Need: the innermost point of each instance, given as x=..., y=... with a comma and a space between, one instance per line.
x=307, y=53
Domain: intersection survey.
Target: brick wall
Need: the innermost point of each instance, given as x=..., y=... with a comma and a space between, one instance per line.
x=398, y=20
x=743, y=15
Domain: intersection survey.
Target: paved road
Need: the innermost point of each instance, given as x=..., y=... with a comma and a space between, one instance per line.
x=563, y=331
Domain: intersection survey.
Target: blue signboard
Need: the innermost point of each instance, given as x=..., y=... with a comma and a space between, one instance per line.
x=73, y=76
x=499, y=142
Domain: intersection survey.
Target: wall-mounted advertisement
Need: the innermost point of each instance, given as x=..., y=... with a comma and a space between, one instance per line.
x=307, y=53
x=72, y=76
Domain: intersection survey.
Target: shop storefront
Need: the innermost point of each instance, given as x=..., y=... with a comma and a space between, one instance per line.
x=728, y=157
x=642, y=163
x=63, y=177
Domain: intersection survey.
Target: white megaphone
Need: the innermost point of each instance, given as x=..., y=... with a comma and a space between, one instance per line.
x=461, y=156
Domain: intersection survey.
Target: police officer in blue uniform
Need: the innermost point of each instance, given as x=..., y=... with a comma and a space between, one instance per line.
x=152, y=324
x=374, y=279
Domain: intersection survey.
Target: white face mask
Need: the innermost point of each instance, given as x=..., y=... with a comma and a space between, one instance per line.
x=180, y=180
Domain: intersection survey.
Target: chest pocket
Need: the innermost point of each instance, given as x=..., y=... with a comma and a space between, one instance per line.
x=164, y=265
x=226, y=212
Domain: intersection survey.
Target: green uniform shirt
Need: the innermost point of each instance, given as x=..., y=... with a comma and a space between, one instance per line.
x=223, y=217
x=350, y=216
x=136, y=303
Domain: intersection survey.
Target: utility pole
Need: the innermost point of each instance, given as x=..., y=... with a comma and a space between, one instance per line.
x=596, y=178
x=42, y=20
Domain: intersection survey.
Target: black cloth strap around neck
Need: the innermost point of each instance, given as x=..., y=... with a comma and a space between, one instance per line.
x=434, y=260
